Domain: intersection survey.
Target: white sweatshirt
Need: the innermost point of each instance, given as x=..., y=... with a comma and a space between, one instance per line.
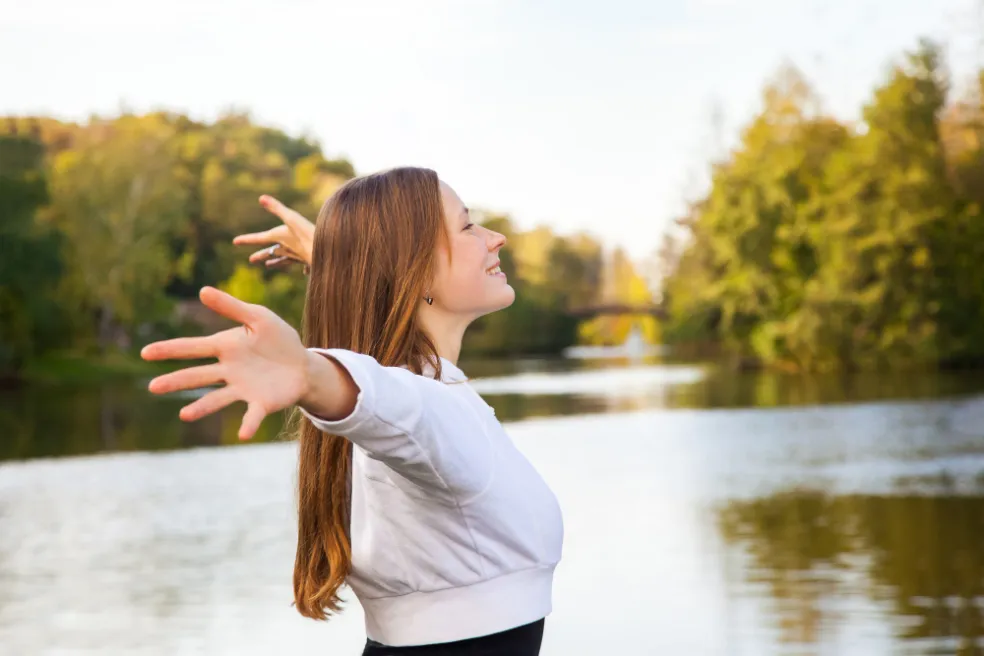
x=454, y=533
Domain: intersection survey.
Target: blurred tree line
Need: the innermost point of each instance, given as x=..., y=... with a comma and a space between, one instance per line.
x=822, y=245
x=110, y=228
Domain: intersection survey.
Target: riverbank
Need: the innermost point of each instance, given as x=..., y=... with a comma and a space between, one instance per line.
x=76, y=368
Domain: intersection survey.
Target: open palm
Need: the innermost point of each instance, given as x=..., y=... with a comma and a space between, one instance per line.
x=261, y=362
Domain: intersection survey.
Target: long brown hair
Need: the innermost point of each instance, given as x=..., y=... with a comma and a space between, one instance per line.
x=373, y=258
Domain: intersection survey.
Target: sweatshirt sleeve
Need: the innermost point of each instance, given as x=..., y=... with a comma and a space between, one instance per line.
x=415, y=425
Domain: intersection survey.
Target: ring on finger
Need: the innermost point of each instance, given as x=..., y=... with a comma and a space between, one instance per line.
x=273, y=249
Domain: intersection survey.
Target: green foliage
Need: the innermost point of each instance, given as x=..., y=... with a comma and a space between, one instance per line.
x=29, y=266
x=280, y=291
x=224, y=168
x=117, y=202
x=111, y=228
x=819, y=247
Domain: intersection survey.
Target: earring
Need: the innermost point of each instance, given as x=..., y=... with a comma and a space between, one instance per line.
x=429, y=300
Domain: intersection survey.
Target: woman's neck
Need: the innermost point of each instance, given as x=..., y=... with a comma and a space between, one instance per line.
x=446, y=331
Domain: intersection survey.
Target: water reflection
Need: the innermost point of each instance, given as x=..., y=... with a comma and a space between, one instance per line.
x=801, y=529
x=919, y=556
x=762, y=389
x=45, y=421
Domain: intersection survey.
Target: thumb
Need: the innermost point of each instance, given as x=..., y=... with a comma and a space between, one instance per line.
x=227, y=305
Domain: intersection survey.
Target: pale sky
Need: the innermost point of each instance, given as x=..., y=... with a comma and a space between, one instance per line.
x=577, y=115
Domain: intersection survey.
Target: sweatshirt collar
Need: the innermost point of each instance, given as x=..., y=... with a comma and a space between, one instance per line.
x=450, y=373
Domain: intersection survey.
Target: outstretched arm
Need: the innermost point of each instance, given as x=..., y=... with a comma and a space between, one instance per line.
x=415, y=425
x=261, y=362
x=330, y=392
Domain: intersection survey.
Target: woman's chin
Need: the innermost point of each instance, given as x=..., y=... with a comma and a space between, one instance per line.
x=508, y=296
x=500, y=300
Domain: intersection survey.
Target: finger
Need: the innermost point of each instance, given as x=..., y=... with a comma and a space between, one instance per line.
x=283, y=262
x=277, y=262
x=211, y=402
x=251, y=421
x=227, y=305
x=290, y=217
x=266, y=237
x=181, y=348
x=260, y=255
x=264, y=254
x=184, y=379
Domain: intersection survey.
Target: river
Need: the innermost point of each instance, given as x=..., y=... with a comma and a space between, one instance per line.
x=706, y=512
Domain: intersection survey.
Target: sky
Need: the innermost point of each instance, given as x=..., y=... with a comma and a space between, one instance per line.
x=595, y=116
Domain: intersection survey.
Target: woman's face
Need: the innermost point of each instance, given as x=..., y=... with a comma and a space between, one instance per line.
x=468, y=283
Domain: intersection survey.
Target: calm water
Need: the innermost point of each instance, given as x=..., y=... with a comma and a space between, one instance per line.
x=705, y=514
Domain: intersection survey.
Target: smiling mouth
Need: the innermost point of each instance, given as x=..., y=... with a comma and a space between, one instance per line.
x=494, y=271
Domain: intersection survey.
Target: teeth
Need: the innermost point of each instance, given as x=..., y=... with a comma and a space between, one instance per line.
x=493, y=271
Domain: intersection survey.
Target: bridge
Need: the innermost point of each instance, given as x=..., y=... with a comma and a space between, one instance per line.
x=594, y=310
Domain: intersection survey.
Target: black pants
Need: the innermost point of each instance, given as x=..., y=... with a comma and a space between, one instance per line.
x=521, y=641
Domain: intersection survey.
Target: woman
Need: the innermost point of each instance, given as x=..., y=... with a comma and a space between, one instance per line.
x=409, y=489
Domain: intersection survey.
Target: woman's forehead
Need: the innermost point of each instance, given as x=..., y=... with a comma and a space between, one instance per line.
x=453, y=207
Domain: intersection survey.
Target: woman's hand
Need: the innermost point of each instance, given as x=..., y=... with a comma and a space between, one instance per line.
x=261, y=362
x=295, y=237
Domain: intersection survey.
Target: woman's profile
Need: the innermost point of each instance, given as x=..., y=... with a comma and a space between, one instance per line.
x=410, y=491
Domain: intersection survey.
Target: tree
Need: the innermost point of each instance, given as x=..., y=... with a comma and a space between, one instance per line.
x=30, y=265
x=118, y=203
x=822, y=248
x=959, y=244
x=885, y=199
x=224, y=168
x=750, y=251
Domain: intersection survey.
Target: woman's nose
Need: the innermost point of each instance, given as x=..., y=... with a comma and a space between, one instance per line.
x=496, y=240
